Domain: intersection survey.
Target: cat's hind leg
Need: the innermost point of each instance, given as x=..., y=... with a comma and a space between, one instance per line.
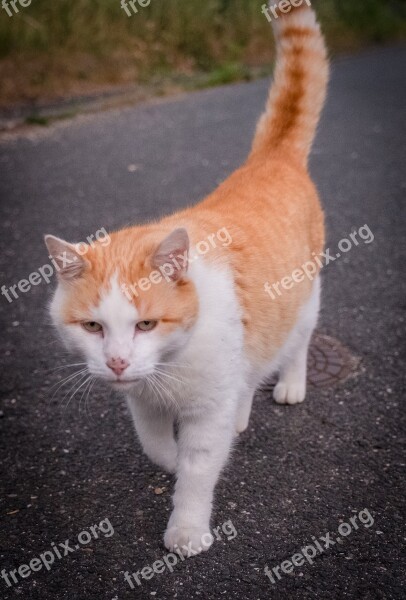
x=244, y=407
x=291, y=387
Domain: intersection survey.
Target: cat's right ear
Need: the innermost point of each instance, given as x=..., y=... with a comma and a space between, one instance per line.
x=68, y=262
x=172, y=255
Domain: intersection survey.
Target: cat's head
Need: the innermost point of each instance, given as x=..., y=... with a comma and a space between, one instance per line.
x=127, y=308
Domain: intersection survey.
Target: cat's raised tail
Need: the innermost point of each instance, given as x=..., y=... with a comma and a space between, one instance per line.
x=297, y=94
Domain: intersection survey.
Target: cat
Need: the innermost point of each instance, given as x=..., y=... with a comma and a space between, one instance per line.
x=188, y=337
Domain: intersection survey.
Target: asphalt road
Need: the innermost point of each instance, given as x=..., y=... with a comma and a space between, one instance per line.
x=298, y=472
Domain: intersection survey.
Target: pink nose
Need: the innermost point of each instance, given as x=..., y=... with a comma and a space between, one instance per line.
x=117, y=365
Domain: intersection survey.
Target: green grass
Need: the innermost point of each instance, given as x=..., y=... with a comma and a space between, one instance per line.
x=37, y=120
x=57, y=46
x=227, y=74
x=44, y=121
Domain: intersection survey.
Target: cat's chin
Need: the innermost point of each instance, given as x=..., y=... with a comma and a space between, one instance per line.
x=124, y=386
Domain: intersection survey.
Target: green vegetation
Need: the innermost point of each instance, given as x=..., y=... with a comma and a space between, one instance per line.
x=54, y=47
x=44, y=121
x=37, y=120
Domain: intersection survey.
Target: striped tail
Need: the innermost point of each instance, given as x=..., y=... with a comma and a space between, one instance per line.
x=297, y=95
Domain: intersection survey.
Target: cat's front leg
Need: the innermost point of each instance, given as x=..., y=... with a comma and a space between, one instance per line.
x=155, y=430
x=203, y=447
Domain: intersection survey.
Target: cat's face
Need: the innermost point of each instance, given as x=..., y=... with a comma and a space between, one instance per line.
x=127, y=308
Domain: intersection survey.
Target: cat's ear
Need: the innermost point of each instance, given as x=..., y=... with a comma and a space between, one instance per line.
x=172, y=255
x=69, y=263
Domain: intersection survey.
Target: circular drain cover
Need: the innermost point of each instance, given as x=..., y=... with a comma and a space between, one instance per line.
x=328, y=363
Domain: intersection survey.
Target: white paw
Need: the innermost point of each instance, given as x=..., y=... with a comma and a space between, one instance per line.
x=188, y=540
x=289, y=393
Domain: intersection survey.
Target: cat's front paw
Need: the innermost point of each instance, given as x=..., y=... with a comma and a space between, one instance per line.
x=289, y=393
x=188, y=540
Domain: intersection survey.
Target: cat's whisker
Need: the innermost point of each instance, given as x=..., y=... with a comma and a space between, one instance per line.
x=173, y=364
x=164, y=389
x=84, y=393
x=75, y=383
x=170, y=384
x=163, y=393
x=162, y=403
x=76, y=391
x=89, y=390
x=67, y=379
x=156, y=391
x=171, y=376
x=65, y=367
x=171, y=380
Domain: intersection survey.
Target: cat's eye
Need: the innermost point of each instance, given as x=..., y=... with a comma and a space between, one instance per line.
x=92, y=326
x=146, y=325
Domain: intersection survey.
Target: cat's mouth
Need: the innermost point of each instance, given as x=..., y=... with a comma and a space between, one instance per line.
x=123, y=382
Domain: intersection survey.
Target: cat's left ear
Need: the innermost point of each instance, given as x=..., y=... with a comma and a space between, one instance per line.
x=172, y=255
x=70, y=264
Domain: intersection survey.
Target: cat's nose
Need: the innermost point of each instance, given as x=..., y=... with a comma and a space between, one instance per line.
x=117, y=365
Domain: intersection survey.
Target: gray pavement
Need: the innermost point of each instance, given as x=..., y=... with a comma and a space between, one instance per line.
x=297, y=472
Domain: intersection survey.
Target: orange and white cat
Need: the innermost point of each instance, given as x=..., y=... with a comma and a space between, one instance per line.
x=194, y=339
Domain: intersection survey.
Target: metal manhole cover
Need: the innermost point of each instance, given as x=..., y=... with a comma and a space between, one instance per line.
x=328, y=363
